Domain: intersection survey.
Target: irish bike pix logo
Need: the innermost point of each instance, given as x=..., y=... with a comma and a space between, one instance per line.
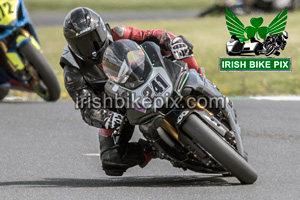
x=264, y=42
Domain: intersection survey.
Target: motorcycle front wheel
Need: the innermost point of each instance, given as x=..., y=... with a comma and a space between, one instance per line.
x=270, y=50
x=3, y=92
x=220, y=150
x=48, y=88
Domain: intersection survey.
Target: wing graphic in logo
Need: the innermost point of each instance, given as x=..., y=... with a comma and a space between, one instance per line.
x=235, y=26
x=277, y=26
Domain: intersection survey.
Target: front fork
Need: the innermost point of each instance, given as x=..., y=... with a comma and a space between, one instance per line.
x=172, y=131
x=5, y=61
x=232, y=136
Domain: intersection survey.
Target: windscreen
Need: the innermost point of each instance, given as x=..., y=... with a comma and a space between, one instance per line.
x=125, y=63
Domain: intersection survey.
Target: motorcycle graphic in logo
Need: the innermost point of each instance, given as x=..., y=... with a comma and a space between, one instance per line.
x=274, y=36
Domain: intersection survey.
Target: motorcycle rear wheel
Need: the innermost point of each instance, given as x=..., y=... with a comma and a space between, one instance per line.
x=226, y=155
x=44, y=71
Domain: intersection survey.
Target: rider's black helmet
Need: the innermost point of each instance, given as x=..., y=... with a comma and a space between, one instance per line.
x=86, y=34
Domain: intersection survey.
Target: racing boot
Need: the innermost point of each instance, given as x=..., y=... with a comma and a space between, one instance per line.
x=112, y=162
x=148, y=153
x=138, y=153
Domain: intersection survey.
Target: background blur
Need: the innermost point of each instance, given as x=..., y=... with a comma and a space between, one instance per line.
x=208, y=34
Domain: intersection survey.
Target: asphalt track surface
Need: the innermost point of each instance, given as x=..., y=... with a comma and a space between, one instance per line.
x=42, y=19
x=47, y=152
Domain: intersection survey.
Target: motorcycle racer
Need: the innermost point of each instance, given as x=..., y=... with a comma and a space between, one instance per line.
x=273, y=43
x=88, y=37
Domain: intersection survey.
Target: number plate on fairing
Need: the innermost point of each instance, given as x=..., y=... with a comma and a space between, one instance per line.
x=156, y=91
x=8, y=11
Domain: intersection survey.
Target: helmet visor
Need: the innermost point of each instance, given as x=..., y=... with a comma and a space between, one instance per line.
x=89, y=45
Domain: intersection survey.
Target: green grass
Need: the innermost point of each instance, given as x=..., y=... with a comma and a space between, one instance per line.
x=209, y=36
x=116, y=5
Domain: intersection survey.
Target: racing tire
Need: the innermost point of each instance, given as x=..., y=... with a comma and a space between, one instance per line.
x=222, y=152
x=270, y=50
x=3, y=92
x=44, y=71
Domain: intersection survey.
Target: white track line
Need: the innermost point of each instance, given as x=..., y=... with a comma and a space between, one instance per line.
x=277, y=98
x=92, y=154
x=15, y=98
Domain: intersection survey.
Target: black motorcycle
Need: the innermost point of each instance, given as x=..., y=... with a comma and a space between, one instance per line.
x=274, y=43
x=166, y=100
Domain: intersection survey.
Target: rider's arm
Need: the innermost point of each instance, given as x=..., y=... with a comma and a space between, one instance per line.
x=161, y=37
x=84, y=98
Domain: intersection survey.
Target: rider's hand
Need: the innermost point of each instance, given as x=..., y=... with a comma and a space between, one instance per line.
x=113, y=120
x=179, y=49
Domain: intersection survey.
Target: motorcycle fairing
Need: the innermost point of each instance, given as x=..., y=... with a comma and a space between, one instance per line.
x=23, y=39
x=148, y=98
x=15, y=59
x=250, y=47
x=9, y=10
x=234, y=47
x=20, y=19
x=174, y=69
x=200, y=84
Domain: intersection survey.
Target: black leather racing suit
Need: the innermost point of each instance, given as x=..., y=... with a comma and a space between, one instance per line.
x=85, y=82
